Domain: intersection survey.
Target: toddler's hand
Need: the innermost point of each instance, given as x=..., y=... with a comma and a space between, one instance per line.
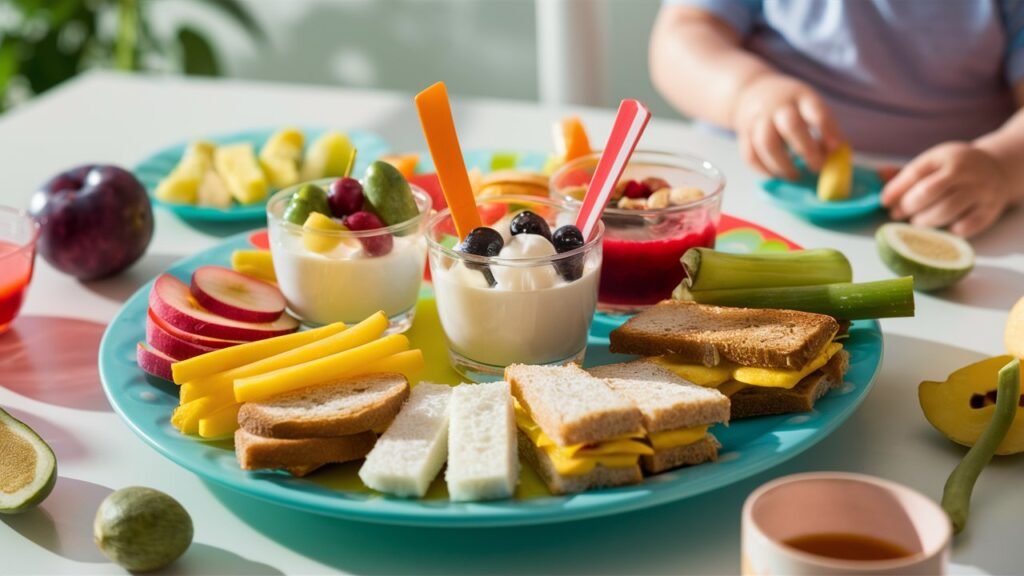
x=952, y=184
x=776, y=110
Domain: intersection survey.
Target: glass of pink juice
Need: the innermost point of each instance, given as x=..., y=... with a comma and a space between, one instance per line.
x=644, y=241
x=18, y=234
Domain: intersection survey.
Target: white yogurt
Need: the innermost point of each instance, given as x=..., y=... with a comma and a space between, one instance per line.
x=532, y=315
x=345, y=284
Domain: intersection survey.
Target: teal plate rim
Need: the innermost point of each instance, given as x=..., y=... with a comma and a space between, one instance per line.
x=159, y=164
x=749, y=446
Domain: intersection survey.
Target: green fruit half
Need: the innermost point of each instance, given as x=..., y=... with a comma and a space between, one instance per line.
x=934, y=258
x=389, y=194
x=28, y=468
x=142, y=529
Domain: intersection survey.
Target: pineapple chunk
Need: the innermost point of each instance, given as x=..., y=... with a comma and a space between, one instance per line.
x=327, y=157
x=213, y=192
x=836, y=176
x=182, y=185
x=280, y=157
x=255, y=263
x=241, y=172
x=314, y=239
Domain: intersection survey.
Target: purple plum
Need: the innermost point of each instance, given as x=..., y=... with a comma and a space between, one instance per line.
x=95, y=221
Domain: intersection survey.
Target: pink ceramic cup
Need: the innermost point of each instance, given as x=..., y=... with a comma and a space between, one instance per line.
x=834, y=502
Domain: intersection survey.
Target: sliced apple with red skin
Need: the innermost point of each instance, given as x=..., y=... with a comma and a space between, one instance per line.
x=204, y=341
x=163, y=341
x=236, y=296
x=154, y=362
x=171, y=301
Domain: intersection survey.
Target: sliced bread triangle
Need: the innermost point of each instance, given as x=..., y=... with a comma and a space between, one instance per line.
x=666, y=401
x=571, y=406
x=346, y=407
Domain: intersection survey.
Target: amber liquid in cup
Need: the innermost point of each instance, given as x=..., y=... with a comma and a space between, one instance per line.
x=846, y=546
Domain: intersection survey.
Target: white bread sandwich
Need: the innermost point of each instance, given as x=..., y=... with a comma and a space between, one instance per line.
x=574, y=430
x=766, y=361
x=304, y=429
x=482, y=460
x=412, y=451
x=676, y=414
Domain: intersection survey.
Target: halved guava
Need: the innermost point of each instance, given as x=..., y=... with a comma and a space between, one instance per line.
x=28, y=468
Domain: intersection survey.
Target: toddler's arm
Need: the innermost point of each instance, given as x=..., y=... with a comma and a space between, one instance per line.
x=699, y=65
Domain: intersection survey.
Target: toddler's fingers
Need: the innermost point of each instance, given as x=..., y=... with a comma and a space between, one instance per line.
x=798, y=135
x=905, y=179
x=816, y=113
x=770, y=148
x=946, y=211
x=975, y=221
x=926, y=192
x=750, y=156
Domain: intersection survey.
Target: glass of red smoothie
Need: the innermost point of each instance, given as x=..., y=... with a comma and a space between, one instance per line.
x=18, y=234
x=663, y=205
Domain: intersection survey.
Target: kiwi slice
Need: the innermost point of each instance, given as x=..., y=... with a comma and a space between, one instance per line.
x=935, y=259
x=28, y=468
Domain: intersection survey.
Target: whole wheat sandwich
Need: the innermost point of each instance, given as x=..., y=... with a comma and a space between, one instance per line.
x=676, y=414
x=574, y=430
x=766, y=361
x=304, y=429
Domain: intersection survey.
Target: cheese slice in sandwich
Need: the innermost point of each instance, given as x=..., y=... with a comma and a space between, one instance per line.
x=676, y=414
x=574, y=430
x=766, y=361
x=482, y=459
x=412, y=451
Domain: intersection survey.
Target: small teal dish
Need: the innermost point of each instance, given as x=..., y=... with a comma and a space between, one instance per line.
x=159, y=165
x=800, y=197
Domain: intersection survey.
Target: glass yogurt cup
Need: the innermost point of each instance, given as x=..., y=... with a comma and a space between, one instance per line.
x=513, y=308
x=362, y=271
x=643, y=243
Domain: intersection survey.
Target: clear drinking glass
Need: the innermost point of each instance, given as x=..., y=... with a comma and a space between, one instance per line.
x=18, y=235
x=358, y=275
x=642, y=247
x=538, y=310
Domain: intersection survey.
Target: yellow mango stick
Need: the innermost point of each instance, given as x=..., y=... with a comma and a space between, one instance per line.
x=408, y=364
x=365, y=331
x=235, y=356
x=836, y=176
x=221, y=423
x=316, y=372
x=189, y=391
x=186, y=417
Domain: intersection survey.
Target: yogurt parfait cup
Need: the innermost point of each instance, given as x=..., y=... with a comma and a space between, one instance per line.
x=529, y=304
x=664, y=205
x=343, y=275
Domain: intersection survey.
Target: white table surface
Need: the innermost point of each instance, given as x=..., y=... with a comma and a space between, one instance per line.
x=118, y=119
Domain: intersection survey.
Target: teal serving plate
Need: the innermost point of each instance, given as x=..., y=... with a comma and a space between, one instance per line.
x=159, y=165
x=801, y=196
x=748, y=446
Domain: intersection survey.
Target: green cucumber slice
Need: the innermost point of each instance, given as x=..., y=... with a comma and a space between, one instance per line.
x=28, y=468
x=935, y=259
